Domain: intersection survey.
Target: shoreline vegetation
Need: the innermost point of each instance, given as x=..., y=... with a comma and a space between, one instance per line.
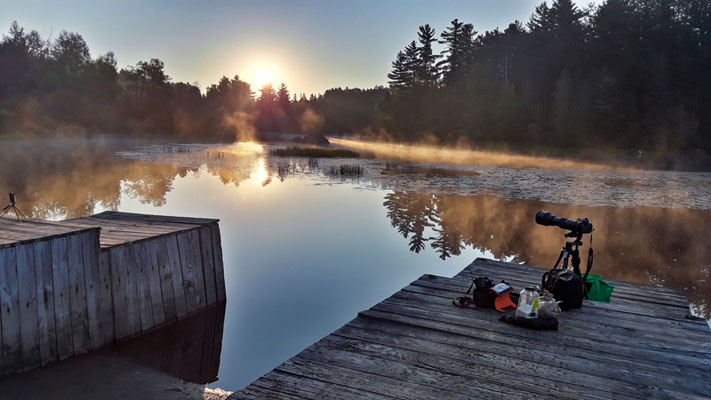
x=313, y=152
x=625, y=82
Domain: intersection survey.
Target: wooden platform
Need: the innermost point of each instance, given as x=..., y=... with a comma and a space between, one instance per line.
x=117, y=228
x=417, y=345
x=68, y=287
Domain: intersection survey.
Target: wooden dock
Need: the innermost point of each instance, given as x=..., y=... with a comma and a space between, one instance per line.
x=69, y=287
x=417, y=345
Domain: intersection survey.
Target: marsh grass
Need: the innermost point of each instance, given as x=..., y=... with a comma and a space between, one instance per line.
x=346, y=170
x=312, y=152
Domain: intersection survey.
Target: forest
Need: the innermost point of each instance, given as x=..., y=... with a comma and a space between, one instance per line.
x=628, y=74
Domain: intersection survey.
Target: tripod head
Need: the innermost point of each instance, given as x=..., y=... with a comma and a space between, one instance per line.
x=12, y=198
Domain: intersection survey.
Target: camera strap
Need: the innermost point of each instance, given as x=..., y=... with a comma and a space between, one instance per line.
x=589, y=266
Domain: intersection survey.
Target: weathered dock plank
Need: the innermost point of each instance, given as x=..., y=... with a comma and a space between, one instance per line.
x=68, y=287
x=10, y=311
x=45, y=302
x=62, y=307
x=416, y=344
x=176, y=276
x=77, y=295
x=208, y=265
x=219, y=266
x=29, y=324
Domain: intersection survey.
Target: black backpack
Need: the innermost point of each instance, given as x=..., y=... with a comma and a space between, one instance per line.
x=483, y=297
x=566, y=286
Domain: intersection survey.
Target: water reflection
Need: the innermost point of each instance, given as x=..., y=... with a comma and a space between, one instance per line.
x=336, y=253
x=189, y=349
x=70, y=178
x=641, y=244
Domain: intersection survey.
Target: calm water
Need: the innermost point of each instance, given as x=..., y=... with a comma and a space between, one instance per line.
x=305, y=248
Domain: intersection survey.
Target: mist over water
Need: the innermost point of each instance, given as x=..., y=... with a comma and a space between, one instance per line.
x=307, y=247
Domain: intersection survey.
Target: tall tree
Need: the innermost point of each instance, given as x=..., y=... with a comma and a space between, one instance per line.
x=70, y=50
x=282, y=97
x=458, y=53
x=427, y=72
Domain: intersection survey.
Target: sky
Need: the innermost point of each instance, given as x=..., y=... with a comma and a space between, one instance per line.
x=311, y=45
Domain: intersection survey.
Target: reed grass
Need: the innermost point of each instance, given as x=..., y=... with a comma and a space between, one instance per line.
x=346, y=170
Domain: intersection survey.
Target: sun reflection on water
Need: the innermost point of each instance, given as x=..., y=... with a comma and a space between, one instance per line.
x=260, y=173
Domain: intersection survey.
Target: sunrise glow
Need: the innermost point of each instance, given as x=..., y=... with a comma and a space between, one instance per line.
x=263, y=77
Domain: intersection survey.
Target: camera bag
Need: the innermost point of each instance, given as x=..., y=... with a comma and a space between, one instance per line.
x=483, y=297
x=566, y=287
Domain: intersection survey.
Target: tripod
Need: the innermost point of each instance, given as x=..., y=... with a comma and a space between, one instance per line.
x=12, y=207
x=570, y=250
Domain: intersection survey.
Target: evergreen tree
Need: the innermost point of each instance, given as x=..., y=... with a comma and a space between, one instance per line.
x=282, y=96
x=458, y=54
x=399, y=77
x=426, y=69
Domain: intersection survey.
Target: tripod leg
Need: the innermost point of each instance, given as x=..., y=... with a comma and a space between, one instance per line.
x=576, y=262
x=18, y=213
x=560, y=256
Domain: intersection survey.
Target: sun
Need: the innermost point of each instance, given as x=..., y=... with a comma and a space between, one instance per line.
x=262, y=77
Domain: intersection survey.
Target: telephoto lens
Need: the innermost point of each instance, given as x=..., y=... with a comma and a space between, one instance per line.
x=581, y=225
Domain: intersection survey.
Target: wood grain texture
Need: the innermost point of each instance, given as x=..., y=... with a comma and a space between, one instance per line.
x=45, y=302
x=90, y=255
x=208, y=264
x=62, y=306
x=27, y=291
x=77, y=294
x=140, y=272
x=165, y=276
x=188, y=267
x=176, y=276
x=68, y=287
x=10, y=312
x=219, y=264
x=196, y=263
x=154, y=282
x=416, y=344
x=106, y=305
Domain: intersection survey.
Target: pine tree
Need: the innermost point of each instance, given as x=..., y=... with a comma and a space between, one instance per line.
x=282, y=96
x=399, y=77
x=405, y=68
x=427, y=71
x=459, y=39
x=267, y=95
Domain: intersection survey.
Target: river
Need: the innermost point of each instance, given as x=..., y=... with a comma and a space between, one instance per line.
x=307, y=247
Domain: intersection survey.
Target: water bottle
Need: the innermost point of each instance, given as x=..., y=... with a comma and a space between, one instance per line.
x=528, y=303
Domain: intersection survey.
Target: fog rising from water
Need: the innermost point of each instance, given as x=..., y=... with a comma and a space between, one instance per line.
x=423, y=153
x=483, y=207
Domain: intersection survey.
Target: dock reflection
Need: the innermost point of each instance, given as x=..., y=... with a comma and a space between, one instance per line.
x=188, y=349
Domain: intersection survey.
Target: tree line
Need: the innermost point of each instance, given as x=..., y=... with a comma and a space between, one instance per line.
x=55, y=86
x=628, y=73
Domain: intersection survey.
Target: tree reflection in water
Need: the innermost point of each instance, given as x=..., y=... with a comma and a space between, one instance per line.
x=637, y=244
x=58, y=179
x=411, y=213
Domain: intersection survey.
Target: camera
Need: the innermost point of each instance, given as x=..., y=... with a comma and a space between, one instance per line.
x=579, y=226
